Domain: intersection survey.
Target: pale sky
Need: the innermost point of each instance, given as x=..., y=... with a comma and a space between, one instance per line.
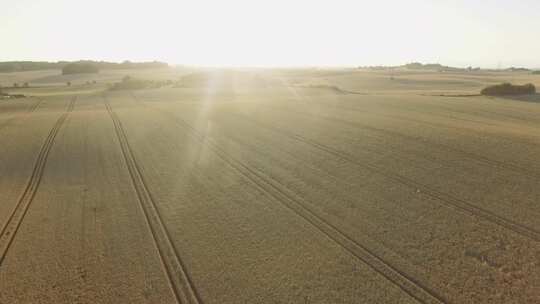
x=274, y=32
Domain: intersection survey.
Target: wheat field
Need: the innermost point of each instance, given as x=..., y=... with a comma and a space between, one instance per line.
x=270, y=186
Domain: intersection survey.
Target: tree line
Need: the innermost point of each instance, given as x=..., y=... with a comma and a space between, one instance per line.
x=18, y=66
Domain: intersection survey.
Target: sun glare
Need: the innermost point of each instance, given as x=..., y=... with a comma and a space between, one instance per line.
x=273, y=33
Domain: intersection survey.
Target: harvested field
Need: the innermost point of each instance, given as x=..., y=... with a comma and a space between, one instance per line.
x=271, y=186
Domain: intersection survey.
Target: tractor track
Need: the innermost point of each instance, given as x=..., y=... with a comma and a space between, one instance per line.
x=180, y=280
x=273, y=189
x=35, y=106
x=348, y=107
x=444, y=198
x=495, y=115
x=473, y=156
x=14, y=221
x=30, y=109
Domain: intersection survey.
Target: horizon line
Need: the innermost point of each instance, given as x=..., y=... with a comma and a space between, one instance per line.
x=281, y=66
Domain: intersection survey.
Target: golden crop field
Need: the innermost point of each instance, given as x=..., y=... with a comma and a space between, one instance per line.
x=269, y=186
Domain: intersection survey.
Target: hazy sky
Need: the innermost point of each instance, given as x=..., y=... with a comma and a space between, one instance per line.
x=274, y=32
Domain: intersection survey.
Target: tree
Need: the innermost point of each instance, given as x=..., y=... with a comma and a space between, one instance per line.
x=506, y=89
x=68, y=83
x=15, y=85
x=25, y=85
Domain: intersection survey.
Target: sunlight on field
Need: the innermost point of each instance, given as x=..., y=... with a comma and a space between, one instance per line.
x=262, y=184
x=270, y=152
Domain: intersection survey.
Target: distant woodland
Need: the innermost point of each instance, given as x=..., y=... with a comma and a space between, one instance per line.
x=72, y=67
x=80, y=68
x=442, y=68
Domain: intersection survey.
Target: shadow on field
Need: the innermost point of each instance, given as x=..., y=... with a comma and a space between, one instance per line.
x=331, y=88
x=526, y=98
